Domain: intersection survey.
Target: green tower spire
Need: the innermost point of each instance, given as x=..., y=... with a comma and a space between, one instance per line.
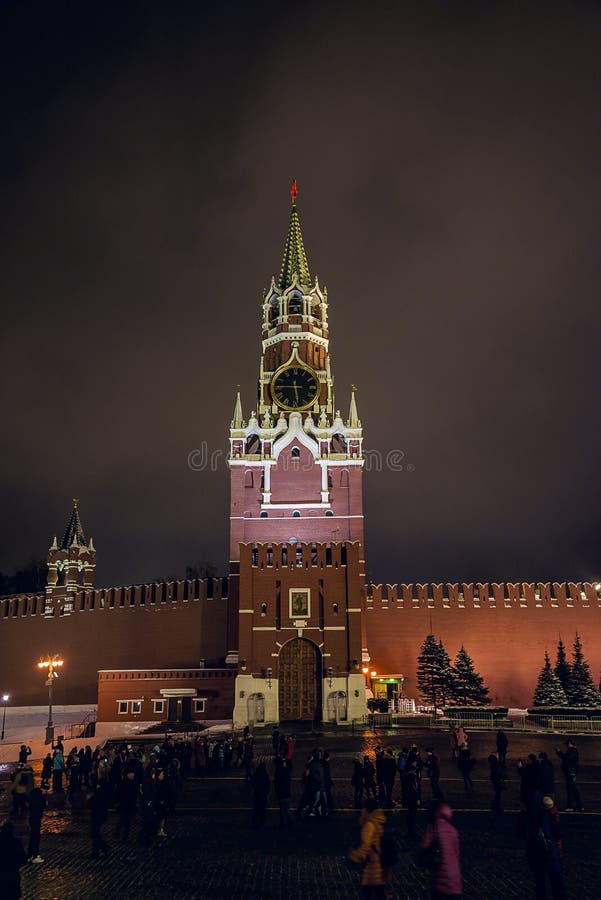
x=295, y=259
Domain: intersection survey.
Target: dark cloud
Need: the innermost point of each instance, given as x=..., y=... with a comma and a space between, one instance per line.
x=449, y=176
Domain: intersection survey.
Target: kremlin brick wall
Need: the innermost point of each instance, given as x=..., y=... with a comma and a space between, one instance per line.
x=505, y=628
x=163, y=625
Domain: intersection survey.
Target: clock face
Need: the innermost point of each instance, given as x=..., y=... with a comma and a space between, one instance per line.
x=295, y=388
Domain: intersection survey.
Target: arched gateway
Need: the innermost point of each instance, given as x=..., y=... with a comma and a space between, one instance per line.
x=300, y=681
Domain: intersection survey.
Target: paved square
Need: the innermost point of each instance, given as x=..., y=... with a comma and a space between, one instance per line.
x=212, y=851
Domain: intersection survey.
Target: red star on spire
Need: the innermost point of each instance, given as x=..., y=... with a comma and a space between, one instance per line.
x=293, y=191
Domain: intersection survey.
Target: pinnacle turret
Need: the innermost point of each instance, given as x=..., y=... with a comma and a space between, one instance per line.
x=353, y=417
x=237, y=421
x=294, y=263
x=74, y=532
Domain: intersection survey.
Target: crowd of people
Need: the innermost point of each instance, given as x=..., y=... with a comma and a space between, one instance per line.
x=141, y=784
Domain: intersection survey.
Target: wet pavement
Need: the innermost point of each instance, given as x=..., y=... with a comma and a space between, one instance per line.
x=212, y=851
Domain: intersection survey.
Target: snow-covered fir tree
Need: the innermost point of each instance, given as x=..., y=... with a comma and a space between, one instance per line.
x=549, y=691
x=468, y=683
x=581, y=690
x=562, y=668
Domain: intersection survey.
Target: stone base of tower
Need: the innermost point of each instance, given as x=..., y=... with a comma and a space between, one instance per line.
x=257, y=701
x=345, y=700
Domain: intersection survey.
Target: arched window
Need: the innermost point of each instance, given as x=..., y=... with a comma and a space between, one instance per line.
x=263, y=514
x=263, y=609
x=295, y=453
x=296, y=514
x=248, y=478
x=253, y=444
x=338, y=443
x=344, y=478
x=295, y=304
x=335, y=609
x=329, y=513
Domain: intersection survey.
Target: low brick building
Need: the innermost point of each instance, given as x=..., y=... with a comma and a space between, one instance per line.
x=165, y=695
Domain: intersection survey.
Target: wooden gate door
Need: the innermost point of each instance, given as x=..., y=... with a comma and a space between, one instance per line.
x=299, y=681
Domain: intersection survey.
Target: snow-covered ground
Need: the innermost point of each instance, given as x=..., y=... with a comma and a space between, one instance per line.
x=27, y=725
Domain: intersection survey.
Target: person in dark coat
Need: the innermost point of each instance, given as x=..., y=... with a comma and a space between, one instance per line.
x=282, y=783
x=261, y=783
x=496, y=779
x=380, y=773
x=502, y=745
x=544, y=849
x=546, y=775
x=85, y=765
x=465, y=764
x=308, y=791
x=98, y=805
x=127, y=798
x=357, y=781
x=433, y=770
x=148, y=808
x=369, y=778
x=248, y=756
x=569, y=767
x=530, y=782
x=414, y=756
x=46, y=772
x=327, y=780
x=12, y=858
x=37, y=805
x=24, y=754
x=388, y=776
x=275, y=739
x=410, y=797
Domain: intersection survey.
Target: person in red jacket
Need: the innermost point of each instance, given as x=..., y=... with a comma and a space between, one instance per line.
x=447, y=883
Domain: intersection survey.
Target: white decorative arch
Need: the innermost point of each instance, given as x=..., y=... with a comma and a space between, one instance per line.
x=295, y=432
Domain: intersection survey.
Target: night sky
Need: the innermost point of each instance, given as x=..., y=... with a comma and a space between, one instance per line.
x=448, y=162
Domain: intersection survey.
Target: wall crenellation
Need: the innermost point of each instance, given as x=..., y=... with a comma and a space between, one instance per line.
x=453, y=595
x=139, y=596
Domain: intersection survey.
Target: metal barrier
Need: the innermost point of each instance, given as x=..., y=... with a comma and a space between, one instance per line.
x=533, y=723
x=560, y=724
x=84, y=729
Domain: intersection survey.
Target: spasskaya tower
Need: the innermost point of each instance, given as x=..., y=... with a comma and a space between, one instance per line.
x=297, y=572
x=296, y=464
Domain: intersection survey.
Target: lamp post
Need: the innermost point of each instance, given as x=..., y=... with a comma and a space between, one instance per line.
x=5, y=699
x=51, y=663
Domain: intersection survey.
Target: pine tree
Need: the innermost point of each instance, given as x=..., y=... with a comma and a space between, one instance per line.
x=582, y=691
x=428, y=670
x=549, y=690
x=562, y=669
x=469, y=684
x=446, y=675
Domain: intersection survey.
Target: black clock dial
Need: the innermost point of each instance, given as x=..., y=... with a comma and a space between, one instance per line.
x=295, y=388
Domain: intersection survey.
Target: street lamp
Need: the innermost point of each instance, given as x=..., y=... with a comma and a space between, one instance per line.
x=51, y=663
x=5, y=699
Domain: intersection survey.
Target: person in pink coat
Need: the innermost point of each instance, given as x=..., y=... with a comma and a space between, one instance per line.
x=447, y=883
